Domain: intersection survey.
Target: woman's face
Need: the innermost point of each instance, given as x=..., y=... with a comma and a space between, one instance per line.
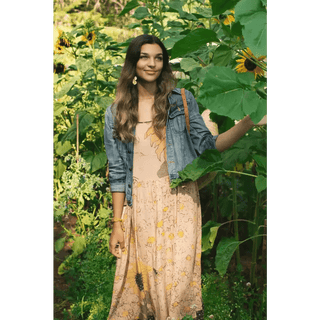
x=150, y=63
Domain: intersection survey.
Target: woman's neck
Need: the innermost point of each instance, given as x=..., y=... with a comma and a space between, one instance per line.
x=147, y=90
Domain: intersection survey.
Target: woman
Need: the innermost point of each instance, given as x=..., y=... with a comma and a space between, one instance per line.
x=156, y=234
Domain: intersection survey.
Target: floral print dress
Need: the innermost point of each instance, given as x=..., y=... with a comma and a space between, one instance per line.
x=159, y=273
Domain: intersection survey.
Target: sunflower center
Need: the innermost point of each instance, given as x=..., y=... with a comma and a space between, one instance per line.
x=250, y=66
x=89, y=36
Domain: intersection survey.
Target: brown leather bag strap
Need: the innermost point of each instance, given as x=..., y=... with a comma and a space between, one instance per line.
x=186, y=111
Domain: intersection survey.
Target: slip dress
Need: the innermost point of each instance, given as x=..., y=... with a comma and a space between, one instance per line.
x=158, y=276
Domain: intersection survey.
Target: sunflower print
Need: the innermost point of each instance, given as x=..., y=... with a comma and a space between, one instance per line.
x=89, y=37
x=137, y=277
x=247, y=65
x=155, y=141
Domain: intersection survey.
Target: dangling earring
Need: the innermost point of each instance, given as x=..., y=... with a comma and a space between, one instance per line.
x=134, y=81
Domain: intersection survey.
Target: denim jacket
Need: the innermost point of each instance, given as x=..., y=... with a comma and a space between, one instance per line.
x=182, y=147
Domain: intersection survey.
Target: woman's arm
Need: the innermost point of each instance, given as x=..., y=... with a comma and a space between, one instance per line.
x=225, y=140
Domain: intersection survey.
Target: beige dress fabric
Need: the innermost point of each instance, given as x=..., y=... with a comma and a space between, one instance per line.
x=159, y=274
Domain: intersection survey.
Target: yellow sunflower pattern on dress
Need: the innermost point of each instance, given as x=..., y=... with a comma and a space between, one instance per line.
x=159, y=275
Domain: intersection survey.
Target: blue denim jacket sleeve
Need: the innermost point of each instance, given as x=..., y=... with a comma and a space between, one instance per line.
x=201, y=137
x=117, y=170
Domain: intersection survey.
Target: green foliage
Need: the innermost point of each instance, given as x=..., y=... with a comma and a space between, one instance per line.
x=220, y=6
x=193, y=41
x=209, y=234
x=253, y=16
x=228, y=93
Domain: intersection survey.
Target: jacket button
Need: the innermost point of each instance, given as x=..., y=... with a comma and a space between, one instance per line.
x=129, y=151
x=130, y=169
x=129, y=185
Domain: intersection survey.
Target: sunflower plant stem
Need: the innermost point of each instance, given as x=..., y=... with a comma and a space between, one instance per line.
x=235, y=216
x=239, y=172
x=253, y=278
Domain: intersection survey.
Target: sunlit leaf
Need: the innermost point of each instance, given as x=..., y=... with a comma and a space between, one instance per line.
x=59, y=244
x=64, y=90
x=59, y=168
x=188, y=64
x=209, y=233
x=78, y=246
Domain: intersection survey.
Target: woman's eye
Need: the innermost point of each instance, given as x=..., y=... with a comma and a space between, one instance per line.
x=143, y=57
x=159, y=58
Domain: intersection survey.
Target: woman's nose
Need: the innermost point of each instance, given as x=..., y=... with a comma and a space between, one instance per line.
x=151, y=62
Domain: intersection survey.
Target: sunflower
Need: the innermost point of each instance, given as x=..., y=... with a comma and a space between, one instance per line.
x=89, y=37
x=61, y=42
x=59, y=68
x=226, y=19
x=247, y=65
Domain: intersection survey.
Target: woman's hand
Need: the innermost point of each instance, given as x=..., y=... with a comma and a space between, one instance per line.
x=116, y=238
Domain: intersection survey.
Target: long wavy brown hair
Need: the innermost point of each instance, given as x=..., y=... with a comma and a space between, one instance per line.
x=126, y=102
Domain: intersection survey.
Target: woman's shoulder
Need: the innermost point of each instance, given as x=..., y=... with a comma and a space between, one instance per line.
x=111, y=112
x=176, y=95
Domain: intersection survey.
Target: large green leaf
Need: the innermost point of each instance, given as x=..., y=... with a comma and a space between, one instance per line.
x=104, y=213
x=141, y=13
x=228, y=93
x=172, y=40
x=103, y=101
x=62, y=147
x=58, y=108
x=261, y=160
x=225, y=251
x=203, y=12
x=222, y=56
x=193, y=41
x=97, y=161
x=59, y=168
x=85, y=120
x=64, y=90
x=208, y=161
x=129, y=6
x=209, y=234
x=83, y=64
x=253, y=16
x=220, y=6
x=188, y=64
